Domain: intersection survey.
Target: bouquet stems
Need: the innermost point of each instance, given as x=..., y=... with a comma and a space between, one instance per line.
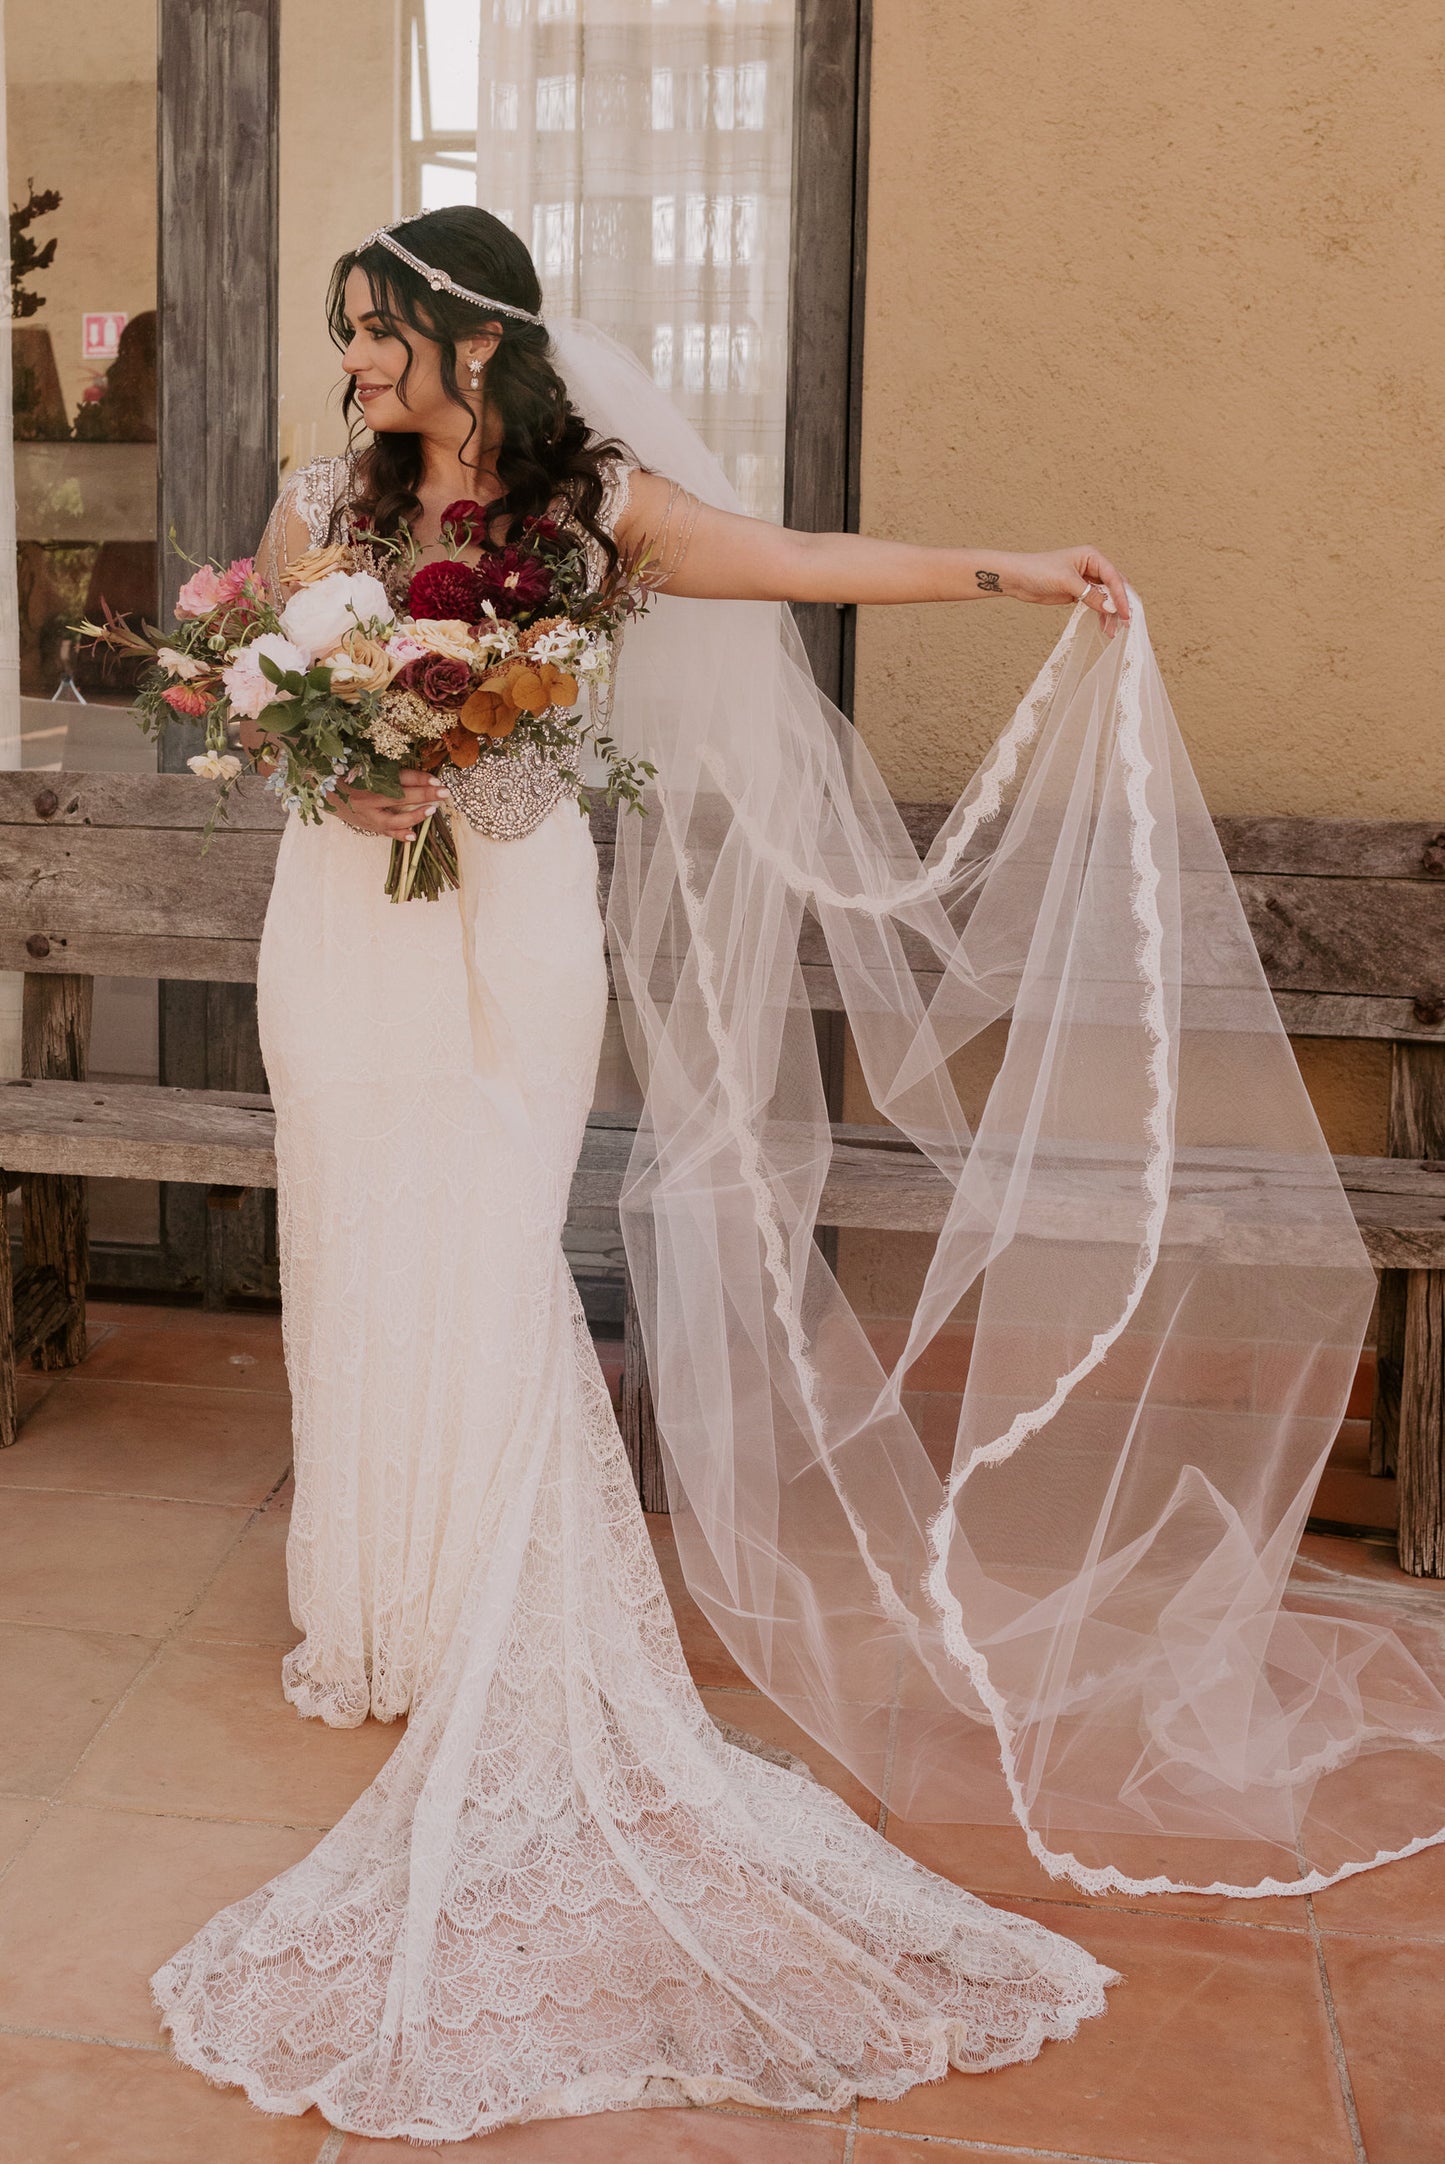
x=425, y=864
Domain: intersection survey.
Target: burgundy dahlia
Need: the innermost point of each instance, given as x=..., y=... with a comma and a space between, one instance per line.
x=513, y=582
x=437, y=678
x=446, y=591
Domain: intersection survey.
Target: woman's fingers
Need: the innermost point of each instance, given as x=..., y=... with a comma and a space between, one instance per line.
x=1101, y=581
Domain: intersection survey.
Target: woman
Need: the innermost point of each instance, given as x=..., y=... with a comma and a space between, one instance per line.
x=567, y=1891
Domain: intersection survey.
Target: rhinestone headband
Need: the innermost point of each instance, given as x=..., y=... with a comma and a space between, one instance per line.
x=438, y=279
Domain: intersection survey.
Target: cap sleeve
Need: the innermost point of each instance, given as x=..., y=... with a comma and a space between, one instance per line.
x=300, y=518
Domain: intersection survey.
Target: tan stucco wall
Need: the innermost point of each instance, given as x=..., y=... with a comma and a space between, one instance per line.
x=1167, y=280
x=1164, y=281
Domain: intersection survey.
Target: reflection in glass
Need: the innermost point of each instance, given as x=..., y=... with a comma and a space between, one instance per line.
x=81, y=158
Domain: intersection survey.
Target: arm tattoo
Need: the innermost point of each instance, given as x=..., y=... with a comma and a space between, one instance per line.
x=988, y=582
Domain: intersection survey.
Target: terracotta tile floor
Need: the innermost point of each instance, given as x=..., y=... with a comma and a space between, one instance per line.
x=153, y=1772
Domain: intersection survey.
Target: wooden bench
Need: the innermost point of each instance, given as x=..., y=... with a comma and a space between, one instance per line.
x=102, y=875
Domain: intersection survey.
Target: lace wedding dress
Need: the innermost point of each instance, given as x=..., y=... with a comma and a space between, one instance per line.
x=568, y=1890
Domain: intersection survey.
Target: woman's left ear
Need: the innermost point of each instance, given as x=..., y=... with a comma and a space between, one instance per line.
x=476, y=354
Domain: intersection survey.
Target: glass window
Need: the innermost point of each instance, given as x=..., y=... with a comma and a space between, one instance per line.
x=81, y=157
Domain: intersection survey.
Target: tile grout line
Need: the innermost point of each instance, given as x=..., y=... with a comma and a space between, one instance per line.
x=83, y=2036
x=1337, y=2042
x=331, y=2148
x=163, y=1645
x=946, y=2144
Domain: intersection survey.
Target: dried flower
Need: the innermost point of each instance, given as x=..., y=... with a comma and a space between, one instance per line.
x=447, y=590
x=461, y=747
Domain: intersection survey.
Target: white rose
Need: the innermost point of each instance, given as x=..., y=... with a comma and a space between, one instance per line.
x=320, y=615
x=176, y=663
x=247, y=689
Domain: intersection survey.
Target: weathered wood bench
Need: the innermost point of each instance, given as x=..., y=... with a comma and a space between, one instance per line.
x=102, y=875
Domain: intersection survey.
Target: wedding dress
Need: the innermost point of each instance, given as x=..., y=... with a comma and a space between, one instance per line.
x=568, y=1890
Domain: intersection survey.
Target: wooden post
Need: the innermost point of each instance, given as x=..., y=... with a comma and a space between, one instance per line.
x=1407, y=1430
x=637, y=1417
x=1421, y=1461
x=218, y=156
x=55, y=1045
x=9, y=1411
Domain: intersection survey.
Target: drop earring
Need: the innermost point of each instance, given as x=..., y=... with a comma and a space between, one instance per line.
x=474, y=370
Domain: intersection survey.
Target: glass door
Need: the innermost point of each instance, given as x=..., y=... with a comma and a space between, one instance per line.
x=81, y=159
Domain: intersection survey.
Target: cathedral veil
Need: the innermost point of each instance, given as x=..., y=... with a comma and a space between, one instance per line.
x=1080, y=1613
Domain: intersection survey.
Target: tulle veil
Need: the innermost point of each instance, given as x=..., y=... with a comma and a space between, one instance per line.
x=1078, y=1613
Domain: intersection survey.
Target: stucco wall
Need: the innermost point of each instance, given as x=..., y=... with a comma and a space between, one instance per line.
x=1168, y=280
x=1158, y=280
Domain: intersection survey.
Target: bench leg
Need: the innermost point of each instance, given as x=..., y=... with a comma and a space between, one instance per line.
x=55, y=1043
x=9, y=1414
x=1421, y=1463
x=637, y=1418
x=1389, y=1365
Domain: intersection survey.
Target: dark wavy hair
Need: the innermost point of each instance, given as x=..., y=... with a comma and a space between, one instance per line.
x=547, y=449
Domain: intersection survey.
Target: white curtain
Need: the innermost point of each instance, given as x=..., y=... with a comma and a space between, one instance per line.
x=643, y=149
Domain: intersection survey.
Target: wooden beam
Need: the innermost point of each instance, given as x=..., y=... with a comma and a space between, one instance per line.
x=55, y=1047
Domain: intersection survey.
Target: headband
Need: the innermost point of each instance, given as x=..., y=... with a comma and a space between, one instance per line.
x=438, y=279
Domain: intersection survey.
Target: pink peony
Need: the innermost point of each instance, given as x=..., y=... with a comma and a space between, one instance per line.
x=183, y=700
x=201, y=594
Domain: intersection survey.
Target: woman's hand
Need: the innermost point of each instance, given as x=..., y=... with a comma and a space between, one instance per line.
x=1061, y=577
x=392, y=816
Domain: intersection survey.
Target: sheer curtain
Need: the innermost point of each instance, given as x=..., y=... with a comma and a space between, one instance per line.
x=644, y=150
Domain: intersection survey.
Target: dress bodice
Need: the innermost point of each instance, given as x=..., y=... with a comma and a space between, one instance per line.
x=315, y=491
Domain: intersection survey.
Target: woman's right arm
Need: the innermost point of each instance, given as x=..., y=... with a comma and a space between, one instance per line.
x=287, y=537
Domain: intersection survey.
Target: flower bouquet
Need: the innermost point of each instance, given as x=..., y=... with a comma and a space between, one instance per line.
x=512, y=654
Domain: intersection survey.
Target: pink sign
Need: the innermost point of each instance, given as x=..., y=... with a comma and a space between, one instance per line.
x=100, y=334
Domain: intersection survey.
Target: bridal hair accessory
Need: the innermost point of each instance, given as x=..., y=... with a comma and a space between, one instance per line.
x=438, y=279
x=1081, y=1606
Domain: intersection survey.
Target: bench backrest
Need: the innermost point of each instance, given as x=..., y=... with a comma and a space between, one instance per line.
x=103, y=875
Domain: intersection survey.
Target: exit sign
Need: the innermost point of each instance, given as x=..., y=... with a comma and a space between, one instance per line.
x=100, y=334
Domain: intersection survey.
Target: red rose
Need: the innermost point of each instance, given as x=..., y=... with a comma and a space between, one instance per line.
x=468, y=519
x=445, y=591
x=437, y=678
x=512, y=581
x=546, y=529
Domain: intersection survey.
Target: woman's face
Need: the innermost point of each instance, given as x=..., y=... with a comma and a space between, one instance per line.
x=376, y=361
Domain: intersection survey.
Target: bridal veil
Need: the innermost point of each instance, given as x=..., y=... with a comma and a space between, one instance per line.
x=1079, y=1615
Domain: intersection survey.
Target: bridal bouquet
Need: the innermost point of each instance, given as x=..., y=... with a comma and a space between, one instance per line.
x=488, y=658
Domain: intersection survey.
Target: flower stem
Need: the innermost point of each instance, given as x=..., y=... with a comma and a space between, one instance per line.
x=415, y=846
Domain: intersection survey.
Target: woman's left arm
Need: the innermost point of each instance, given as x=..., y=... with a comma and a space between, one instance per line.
x=720, y=556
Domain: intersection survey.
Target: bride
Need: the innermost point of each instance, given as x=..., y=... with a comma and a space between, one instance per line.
x=567, y=1891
